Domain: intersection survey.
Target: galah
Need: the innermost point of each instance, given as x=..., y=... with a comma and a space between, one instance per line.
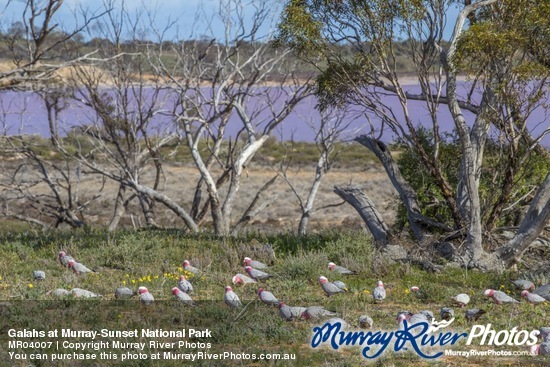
x=543, y=291
x=524, y=284
x=446, y=313
x=231, y=298
x=242, y=279
x=64, y=258
x=184, y=285
x=316, y=312
x=255, y=264
x=499, y=297
x=474, y=314
x=461, y=299
x=429, y=314
x=183, y=297
x=39, y=275
x=267, y=297
x=418, y=317
x=418, y=292
x=290, y=313
x=341, y=285
x=540, y=349
x=365, y=322
x=379, y=293
x=532, y=298
x=83, y=293
x=145, y=297
x=257, y=274
x=401, y=318
x=407, y=315
x=124, y=293
x=188, y=267
x=78, y=268
x=340, y=269
x=544, y=333
x=328, y=287
x=59, y=292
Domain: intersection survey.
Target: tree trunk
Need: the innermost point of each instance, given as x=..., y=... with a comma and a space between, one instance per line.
x=406, y=192
x=171, y=204
x=366, y=209
x=120, y=208
x=253, y=209
x=533, y=224
x=469, y=169
x=306, y=210
x=242, y=161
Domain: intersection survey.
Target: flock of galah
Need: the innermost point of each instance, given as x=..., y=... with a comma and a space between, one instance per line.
x=256, y=271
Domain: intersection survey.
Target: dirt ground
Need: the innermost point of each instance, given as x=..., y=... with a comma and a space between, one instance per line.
x=179, y=183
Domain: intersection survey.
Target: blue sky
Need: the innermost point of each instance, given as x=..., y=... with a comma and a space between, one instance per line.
x=187, y=18
x=184, y=18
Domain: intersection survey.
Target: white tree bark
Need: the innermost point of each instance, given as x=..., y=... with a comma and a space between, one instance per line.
x=366, y=209
x=533, y=224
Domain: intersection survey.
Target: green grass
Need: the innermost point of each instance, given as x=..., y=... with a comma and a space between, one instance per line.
x=153, y=258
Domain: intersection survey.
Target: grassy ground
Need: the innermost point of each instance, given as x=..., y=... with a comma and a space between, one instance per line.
x=153, y=259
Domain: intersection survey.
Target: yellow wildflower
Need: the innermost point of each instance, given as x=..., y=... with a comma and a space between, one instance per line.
x=31, y=286
x=123, y=282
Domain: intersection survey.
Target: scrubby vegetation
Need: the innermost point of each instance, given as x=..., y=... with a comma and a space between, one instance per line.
x=153, y=259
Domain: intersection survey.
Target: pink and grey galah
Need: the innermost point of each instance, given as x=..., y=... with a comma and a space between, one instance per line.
x=83, y=293
x=267, y=297
x=499, y=297
x=188, y=267
x=543, y=291
x=524, y=284
x=184, y=285
x=257, y=274
x=446, y=313
x=533, y=298
x=59, y=293
x=183, y=297
x=242, y=279
x=365, y=322
x=340, y=269
x=64, y=258
x=78, y=268
x=231, y=298
x=341, y=285
x=39, y=275
x=419, y=317
x=145, y=297
x=328, y=287
x=461, y=299
x=124, y=293
x=289, y=313
x=255, y=264
x=379, y=293
x=316, y=312
x=474, y=314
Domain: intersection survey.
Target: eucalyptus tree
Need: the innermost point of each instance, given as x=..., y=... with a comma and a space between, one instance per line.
x=235, y=84
x=497, y=47
x=38, y=186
